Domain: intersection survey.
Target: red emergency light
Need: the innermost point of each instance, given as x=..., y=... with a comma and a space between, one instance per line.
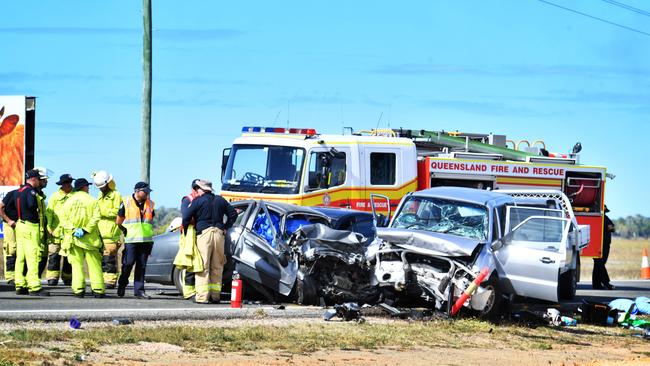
x=299, y=131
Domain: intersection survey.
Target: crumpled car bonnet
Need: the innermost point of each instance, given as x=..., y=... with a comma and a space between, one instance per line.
x=429, y=242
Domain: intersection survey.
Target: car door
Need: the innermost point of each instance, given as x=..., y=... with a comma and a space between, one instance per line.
x=261, y=255
x=533, y=251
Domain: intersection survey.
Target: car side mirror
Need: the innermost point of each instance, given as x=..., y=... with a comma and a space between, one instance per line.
x=497, y=244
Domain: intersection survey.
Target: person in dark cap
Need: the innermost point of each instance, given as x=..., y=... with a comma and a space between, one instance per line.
x=53, y=215
x=135, y=218
x=29, y=227
x=82, y=242
x=208, y=212
x=600, y=278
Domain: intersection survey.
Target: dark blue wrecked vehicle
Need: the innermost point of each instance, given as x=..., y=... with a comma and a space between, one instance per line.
x=288, y=252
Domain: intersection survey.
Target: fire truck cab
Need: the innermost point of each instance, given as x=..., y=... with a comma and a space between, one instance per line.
x=300, y=166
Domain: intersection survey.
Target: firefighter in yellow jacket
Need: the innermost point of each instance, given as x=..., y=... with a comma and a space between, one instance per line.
x=53, y=214
x=82, y=241
x=109, y=200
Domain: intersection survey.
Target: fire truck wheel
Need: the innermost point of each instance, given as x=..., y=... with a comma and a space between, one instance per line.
x=568, y=284
x=177, y=279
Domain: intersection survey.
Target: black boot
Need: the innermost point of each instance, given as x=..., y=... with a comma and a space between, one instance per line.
x=53, y=282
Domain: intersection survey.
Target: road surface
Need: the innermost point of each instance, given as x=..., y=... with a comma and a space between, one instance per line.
x=167, y=304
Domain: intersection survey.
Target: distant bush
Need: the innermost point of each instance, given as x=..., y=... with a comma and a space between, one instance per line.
x=164, y=216
x=633, y=227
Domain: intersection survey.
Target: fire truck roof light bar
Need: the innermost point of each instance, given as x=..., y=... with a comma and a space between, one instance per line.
x=299, y=131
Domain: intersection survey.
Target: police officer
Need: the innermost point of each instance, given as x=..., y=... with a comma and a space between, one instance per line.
x=208, y=211
x=82, y=241
x=29, y=246
x=54, y=214
x=135, y=218
x=9, y=215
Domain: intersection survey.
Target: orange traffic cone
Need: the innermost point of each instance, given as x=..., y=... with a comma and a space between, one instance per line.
x=645, y=267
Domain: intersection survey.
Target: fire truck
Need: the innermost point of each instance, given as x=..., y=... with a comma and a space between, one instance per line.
x=300, y=166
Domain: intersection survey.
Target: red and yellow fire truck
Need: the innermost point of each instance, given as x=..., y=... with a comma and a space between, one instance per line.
x=302, y=167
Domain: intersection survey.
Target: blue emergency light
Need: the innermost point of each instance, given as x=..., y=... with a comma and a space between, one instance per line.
x=300, y=131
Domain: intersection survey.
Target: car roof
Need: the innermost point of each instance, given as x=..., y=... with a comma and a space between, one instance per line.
x=471, y=195
x=282, y=207
x=339, y=213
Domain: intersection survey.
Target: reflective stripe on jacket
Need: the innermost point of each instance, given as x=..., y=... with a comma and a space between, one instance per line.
x=139, y=228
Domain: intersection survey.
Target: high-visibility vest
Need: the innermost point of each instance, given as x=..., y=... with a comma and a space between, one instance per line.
x=139, y=228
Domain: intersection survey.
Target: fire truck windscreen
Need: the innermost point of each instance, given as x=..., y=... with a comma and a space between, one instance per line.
x=268, y=169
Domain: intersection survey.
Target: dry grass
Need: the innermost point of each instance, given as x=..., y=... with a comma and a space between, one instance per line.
x=11, y=158
x=306, y=338
x=624, y=261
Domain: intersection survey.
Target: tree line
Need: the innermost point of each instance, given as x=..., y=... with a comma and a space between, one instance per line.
x=633, y=227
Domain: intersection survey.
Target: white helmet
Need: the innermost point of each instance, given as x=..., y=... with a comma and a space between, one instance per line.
x=42, y=172
x=101, y=178
x=175, y=224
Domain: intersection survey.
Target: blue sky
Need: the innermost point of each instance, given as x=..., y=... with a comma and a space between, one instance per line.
x=521, y=68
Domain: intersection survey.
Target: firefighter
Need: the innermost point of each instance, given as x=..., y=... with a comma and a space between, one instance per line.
x=9, y=214
x=109, y=200
x=135, y=219
x=82, y=241
x=208, y=211
x=600, y=278
x=53, y=214
x=188, y=258
x=29, y=246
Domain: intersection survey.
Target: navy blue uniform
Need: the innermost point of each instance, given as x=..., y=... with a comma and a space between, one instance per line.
x=208, y=210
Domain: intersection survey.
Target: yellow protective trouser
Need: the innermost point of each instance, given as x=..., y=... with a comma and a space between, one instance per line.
x=208, y=283
x=93, y=258
x=55, y=268
x=9, y=250
x=111, y=263
x=189, y=289
x=29, y=250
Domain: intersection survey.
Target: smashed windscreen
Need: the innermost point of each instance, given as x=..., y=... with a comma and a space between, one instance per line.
x=268, y=169
x=443, y=216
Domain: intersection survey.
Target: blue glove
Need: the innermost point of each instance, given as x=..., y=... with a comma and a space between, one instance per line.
x=78, y=233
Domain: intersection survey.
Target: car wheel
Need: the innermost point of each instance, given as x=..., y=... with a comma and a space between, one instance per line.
x=568, y=284
x=177, y=279
x=306, y=291
x=492, y=309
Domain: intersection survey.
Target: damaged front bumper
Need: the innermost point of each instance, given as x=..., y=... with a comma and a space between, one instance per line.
x=438, y=280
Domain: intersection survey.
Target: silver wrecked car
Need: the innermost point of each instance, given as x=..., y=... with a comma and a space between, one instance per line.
x=441, y=238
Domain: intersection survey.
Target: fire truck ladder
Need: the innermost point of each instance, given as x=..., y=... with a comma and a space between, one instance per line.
x=444, y=139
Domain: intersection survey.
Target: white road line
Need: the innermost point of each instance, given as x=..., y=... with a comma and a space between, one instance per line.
x=147, y=310
x=122, y=310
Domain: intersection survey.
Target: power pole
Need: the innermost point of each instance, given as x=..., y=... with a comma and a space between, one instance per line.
x=145, y=162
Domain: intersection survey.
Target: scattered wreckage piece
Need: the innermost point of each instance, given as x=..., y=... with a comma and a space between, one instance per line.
x=349, y=311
